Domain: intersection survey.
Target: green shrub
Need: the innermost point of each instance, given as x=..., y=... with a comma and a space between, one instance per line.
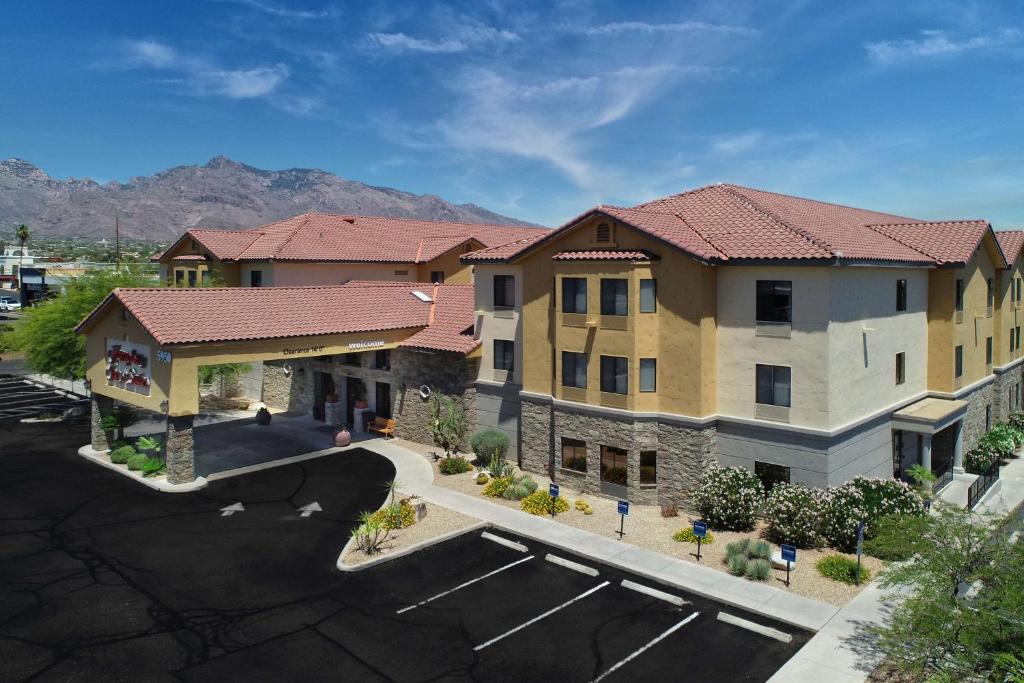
x=758, y=570
x=1017, y=421
x=454, y=465
x=687, y=536
x=395, y=516
x=737, y=564
x=499, y=467
x=793, y=514
x=729, y=498
x=737, y=548
x=977, y=460
x=1000, y=439
x=488, y=444
x=119, y=456
x=841, y=568
x=519, y=487
x=760, y=550
x=135, y=462
x=496, y=486
x=151, y=467
x=482, y=478
x=867, y=500
x=539, y=503
x=147, y=443
x=896, y=538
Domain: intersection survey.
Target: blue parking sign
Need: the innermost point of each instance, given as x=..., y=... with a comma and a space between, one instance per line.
x=700, y=529
x=788, y=553
x=623, y=507
x=553, y=490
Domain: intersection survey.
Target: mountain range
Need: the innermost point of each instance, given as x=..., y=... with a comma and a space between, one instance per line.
x=219, y=194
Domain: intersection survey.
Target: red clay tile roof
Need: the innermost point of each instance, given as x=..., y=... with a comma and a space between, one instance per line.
x=602, y=255
x=722, y=223
x=189, y=257
x=196, y=315
x=1011, y=242
x=943, y=241
x=333, y=237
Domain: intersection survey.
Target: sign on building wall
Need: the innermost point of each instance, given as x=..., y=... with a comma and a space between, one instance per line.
x=128, y=366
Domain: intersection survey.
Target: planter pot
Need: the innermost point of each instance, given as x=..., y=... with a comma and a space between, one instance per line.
x=262, y=417
x=361, y=404
x=342, y=438
x=331, y=398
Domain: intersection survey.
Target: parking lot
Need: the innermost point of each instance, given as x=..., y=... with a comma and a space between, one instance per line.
x=103, y=579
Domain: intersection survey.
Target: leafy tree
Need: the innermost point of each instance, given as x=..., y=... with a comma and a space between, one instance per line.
x=940, y=630
x=448, y=423
x=208, y=374
x=47, y=334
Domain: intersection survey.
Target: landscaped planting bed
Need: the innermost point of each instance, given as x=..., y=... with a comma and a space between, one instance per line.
x=646, y=528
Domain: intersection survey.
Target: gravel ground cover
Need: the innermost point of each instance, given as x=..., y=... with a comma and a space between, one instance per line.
x=438, y=522
x=646, y=528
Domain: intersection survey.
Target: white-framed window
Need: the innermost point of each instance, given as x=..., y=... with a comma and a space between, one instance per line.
x=774, y=385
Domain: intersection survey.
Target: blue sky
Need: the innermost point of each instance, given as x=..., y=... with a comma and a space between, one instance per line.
x=537, y=110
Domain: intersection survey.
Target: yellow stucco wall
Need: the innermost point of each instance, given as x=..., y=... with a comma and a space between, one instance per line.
x=221, y=273
x=680, y=335
x=177, y=381
x=1009, y=313
x=455, y=272
x=945, y=333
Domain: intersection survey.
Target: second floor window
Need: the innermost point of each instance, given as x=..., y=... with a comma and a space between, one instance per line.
x=959, y=295
x=773, y=385
x=614, y=297
x=574, y=369
x=255, y=278
x=958, y=361
x=774, y=301
x=574, y=295
x=504, y=354
x=437, y=277
x=988, y=350
x=504, y=291
x=1019, y=289
x=648, y=296
x=991, y=292
x=901, y=295
x=615, y=374
x=901, y=367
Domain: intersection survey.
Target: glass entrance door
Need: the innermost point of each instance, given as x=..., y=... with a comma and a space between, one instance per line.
x=613, y=472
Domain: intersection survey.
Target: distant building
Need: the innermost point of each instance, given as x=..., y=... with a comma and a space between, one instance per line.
x=14, y=257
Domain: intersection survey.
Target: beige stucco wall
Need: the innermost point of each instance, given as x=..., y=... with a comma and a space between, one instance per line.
x=740, y=349
x=285, y=274
x=500, y=324
x=1009, y=314
x=865, y=334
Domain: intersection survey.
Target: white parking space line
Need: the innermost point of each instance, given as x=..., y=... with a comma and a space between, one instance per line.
x=646, y=647
x=504, y=541
x=654, y=593
x=569, y=564
x=551, y=611
x=755, y=627
x=463, y=585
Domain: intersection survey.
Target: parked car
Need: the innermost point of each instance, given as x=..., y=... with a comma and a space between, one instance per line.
x=9, y=304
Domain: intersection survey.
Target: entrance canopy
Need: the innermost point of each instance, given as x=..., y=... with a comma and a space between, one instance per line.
x=929, y=415
x=144, y=346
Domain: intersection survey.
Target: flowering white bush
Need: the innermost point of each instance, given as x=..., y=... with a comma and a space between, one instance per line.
x=793, y=513
x=729, y=498
x=865, y=500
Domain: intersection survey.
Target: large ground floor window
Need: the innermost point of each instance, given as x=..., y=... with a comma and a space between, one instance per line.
x=771, y=474
x=574, y=455
x=613, y=465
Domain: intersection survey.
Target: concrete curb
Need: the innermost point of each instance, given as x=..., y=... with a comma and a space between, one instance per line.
x=404, y=551
x=157, y=483
x=271, y=464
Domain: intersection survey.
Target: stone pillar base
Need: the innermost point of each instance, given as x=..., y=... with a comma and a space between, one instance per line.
x=100, y=407
x=180, y=450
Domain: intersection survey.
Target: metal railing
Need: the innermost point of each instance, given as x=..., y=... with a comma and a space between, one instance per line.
x=943, y=476
x=982, y=484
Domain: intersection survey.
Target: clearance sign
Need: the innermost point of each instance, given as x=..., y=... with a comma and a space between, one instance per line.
x=128, y=366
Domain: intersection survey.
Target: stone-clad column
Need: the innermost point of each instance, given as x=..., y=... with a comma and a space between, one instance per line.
x=926, y=451
x=958, y=447
x=180, y=450
x=100, y=407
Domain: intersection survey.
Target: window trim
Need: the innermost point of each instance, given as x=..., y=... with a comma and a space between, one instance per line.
x=505, y=354
x=505, y=293
x=575, y=444
x=576, y=355
x=609, y=281
x=654, y=295
x=773, y=368
x=576, y=281
x=764, y=316
x=640, y=370
x=615, y=374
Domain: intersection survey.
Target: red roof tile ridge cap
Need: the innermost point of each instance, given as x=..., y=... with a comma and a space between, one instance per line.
x=724, y=256
x=433, y=303
x=295, y=231
x=721, y=255
x=741, y=198
x=740, y=188
x=640, y=207
x=896, y=239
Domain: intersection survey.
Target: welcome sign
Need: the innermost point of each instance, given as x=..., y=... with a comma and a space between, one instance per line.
x=128, y=366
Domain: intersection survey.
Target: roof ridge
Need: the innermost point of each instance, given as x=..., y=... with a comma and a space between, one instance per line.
x=295, y=231
x=743, y=199
x=818, y=201
x=874, y=227
x=702, y=188
x=955, y=220
x=698, y=233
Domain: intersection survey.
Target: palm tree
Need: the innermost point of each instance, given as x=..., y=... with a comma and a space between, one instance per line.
x=22, y=233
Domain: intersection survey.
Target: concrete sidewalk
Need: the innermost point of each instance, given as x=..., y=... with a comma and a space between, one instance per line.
x=416, y=476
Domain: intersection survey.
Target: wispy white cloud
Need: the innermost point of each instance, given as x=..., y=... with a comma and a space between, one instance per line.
x=933, y=44
x=204, y=76
x=619, y=27
x=737, y=144
x=458, y=38
x=285, y=12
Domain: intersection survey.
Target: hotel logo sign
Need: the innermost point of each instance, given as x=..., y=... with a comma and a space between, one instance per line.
x=128, y=366
x=361, y=345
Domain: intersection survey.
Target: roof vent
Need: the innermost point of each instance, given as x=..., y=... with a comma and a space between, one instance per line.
x=425, y=298
x=350, y=220
x=603, y=233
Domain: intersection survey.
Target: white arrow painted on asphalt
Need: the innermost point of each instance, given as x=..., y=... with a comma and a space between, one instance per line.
x=308, y=510
x=232, y=509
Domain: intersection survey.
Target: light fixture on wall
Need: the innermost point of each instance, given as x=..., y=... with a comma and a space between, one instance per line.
x=287, y=369
x=163, y=406
x=425, y=392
